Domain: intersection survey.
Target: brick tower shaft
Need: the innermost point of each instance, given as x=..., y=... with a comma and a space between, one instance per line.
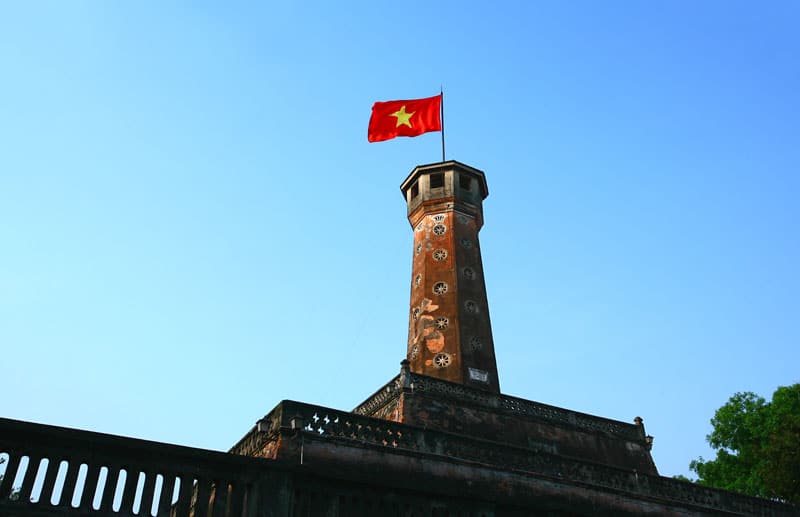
x=449, y=332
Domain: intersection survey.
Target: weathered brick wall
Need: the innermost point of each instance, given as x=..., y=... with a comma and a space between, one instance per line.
x=495, y=425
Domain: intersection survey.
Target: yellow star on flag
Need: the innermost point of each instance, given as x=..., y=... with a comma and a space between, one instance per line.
x=403, y=118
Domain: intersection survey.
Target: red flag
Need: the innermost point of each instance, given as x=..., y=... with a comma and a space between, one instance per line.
x=404, y=118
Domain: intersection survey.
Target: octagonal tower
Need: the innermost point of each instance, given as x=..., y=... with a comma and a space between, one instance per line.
x=449, y=332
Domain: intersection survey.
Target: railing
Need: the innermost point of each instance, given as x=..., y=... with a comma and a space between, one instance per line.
x=389, y=392
x=58, y=471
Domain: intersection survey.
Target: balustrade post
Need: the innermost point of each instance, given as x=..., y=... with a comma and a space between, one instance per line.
x=30, y=474
x=11, y=472
x=271, y=495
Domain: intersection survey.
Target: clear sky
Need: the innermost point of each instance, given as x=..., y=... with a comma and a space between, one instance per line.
x=193, y=226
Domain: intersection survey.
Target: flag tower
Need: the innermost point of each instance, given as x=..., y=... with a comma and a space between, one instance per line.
x=449, y=331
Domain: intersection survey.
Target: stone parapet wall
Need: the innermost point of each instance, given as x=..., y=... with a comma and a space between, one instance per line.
x=415, y=383
x=341, y=434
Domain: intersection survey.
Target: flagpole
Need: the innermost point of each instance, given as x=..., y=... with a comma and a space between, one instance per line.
x=441, y=92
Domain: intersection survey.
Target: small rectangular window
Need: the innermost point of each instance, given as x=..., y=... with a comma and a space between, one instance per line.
x=465, y=182
x=437, y=180
x=414, y=190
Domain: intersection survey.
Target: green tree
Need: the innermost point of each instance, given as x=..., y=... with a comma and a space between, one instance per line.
x=757, y=445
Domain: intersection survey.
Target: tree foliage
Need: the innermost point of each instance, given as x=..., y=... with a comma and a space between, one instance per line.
x=757, y=445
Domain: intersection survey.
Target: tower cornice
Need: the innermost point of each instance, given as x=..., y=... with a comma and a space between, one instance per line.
x=443, y=205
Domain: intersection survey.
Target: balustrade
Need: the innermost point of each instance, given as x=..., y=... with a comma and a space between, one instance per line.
x=57, y=471
x=53, y=471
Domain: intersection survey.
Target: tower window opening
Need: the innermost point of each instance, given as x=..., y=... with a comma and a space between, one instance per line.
x=414, y=190
x=437, y=180
x=465, y=182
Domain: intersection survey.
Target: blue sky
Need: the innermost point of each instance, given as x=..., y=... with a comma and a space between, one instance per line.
x=193, y=226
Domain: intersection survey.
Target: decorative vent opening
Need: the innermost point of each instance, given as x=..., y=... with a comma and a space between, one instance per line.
x=438, y=218
x=442, y=360
x=439, y=255
x=442, y=323
x=415, y=313
x=414, y=351
x=475, y=343
x=466, y=243
x=439, y=288
x=437, y=180
x=462, y=219
x=468, y=273
x=465, y=182
x=471, y=307
x=417, y=280
x=418, y=249
x=439, y=229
